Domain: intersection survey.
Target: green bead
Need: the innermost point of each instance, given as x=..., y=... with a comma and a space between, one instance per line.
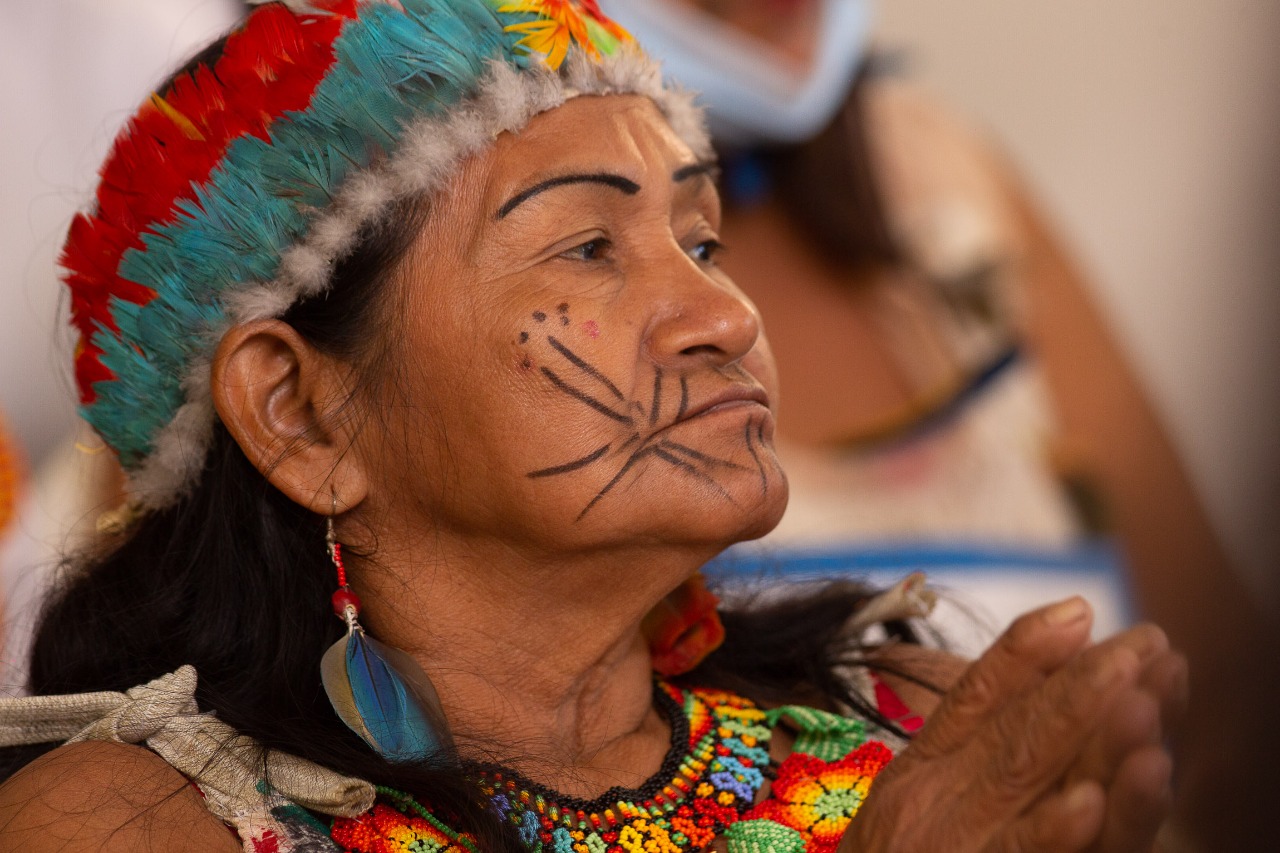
x=763, y=836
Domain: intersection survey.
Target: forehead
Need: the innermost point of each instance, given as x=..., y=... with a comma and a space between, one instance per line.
x=622, y=134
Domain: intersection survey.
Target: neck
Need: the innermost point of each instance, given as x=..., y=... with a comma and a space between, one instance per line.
x=541, y=668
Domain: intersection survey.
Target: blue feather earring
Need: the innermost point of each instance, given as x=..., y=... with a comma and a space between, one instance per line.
x=379, y=692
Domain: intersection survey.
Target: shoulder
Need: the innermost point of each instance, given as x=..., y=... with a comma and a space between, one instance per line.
x=108, y=797
x=944, y=150
x=940, y=174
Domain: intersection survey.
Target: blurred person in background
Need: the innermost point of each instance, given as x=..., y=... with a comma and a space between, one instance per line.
x=953, y=395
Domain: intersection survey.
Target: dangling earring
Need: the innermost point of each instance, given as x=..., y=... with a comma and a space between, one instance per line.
x=684, y=628
x=379, y=692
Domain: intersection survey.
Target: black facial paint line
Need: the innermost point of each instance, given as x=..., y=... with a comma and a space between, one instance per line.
x=675, y=460
x=657, y=397
x=684, y=173
x=764, y=480
x=683, y=458
x=570, y=466
x=617, y=478
x=699, y=456
x=684, y=466
x=760, y=431
x=648, y=448
x=577, y=362
x=586, y=398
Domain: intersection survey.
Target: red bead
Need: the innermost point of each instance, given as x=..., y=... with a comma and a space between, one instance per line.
x=344, y=598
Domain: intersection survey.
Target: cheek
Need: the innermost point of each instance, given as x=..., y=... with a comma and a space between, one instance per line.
x=555, y=340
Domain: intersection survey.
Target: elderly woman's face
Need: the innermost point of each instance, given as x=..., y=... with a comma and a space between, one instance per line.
x=576, y=370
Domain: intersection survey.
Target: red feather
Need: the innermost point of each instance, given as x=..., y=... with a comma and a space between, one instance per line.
x=271, y=66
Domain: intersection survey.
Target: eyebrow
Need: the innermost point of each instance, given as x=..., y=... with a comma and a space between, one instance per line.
x=624, y=185
x=693, y=170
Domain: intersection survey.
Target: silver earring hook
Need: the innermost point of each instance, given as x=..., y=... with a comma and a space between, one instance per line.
x=331, y=538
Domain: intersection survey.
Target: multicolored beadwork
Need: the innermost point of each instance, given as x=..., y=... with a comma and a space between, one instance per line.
x=817, y=799
x=405, y=827
x=708, y=786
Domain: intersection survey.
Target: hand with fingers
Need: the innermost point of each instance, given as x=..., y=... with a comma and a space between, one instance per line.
x=1046, y=743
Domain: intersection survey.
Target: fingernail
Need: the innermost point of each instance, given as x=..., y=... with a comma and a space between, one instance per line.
x=1067, y=612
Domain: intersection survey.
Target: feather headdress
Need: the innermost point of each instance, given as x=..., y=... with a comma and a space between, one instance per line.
x=230, y=195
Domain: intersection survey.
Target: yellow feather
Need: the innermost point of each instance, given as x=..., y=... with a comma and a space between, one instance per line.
x=184, y=124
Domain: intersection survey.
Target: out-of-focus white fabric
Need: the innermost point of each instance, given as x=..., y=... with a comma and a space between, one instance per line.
x=750, y=96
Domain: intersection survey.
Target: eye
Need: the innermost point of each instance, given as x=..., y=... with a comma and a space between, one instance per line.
x=707, y=251
x=592, y=250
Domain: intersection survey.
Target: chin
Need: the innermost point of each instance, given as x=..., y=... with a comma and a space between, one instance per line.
x=722, y=524
x=768, y=513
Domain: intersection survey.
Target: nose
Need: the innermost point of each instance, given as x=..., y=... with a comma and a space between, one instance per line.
x=698, y=316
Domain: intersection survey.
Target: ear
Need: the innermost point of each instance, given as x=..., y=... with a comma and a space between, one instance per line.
x=284, y=403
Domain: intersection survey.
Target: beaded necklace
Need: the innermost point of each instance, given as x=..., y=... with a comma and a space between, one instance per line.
x=707, y=787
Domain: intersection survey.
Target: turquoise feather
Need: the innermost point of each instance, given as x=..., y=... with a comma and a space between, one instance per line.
x=394, y=63
x=385, y=698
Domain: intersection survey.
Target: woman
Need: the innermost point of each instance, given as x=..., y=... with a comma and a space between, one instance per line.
x=435, y=285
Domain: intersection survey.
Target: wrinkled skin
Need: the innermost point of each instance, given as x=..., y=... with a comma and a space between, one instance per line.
x=1044, y=744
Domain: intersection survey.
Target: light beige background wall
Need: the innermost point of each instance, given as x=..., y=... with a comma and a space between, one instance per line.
x=71, y=71
x=1150, y=131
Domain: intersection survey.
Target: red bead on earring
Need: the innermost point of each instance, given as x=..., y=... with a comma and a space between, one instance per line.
x=346, y=604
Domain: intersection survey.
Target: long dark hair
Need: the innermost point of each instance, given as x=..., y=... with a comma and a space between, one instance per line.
x=233, y=579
